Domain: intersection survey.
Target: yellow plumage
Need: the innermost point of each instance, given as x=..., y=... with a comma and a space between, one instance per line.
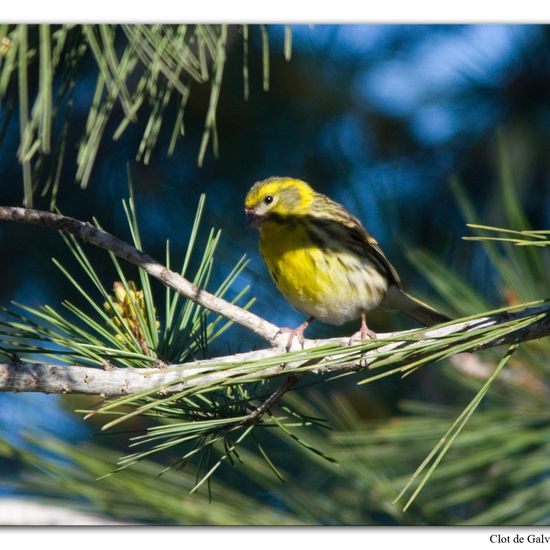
x=330, y=286
x=322, y=259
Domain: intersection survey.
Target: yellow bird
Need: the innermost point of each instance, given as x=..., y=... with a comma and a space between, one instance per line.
x=323, y=260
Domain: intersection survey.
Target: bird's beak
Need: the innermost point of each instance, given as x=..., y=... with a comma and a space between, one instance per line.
x=252, y=219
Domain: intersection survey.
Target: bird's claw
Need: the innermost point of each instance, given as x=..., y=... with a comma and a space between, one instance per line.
x=293, y=333
x=364, y=333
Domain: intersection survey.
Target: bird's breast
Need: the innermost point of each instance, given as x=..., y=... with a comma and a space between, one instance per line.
x=328, y=283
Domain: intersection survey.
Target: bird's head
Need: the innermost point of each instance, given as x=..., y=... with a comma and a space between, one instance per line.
x=276, y=198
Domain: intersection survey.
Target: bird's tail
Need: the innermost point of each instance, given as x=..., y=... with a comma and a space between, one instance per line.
x=419, y=311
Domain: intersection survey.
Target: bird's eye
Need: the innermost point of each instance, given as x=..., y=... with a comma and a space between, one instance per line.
x=268, y=199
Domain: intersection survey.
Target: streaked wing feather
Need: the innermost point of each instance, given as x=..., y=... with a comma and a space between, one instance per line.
x=357, y=234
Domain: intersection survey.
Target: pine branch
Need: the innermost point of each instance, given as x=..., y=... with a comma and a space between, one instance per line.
x=100, y=238
x=147, y=70
x=176, y=387
x=49, y=378
x=407, y=347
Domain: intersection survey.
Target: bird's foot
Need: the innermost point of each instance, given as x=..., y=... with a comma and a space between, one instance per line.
x=297, y=332
x=364, y=333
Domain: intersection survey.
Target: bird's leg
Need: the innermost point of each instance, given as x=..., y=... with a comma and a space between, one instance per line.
x=365, y=331
x=297, y=332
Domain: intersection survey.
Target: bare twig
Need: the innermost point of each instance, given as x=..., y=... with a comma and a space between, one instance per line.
x=98, y=237
x=48, y=378
x=259, y=411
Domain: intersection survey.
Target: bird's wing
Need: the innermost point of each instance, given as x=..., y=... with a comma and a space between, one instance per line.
x=353, y=234
x=393, y=275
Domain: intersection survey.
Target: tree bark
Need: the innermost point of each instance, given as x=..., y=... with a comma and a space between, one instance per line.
x=49, y=378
